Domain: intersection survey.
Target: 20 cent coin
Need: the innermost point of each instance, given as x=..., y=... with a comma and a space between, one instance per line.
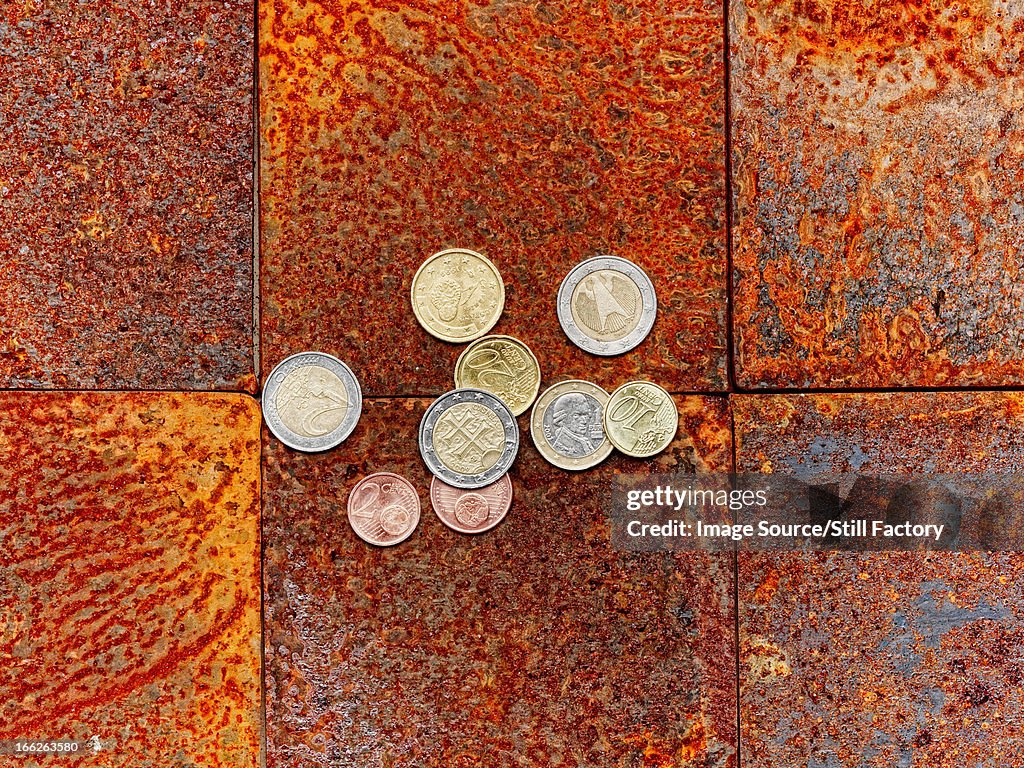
x=567, y=425
x=607, y=305
x=312, y=401
x=640, y=419
x=503, y=366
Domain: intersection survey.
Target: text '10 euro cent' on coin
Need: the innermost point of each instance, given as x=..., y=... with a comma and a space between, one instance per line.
x=503, y=366
x=640, y=419
x=383, y=509
x=567, y=425
x=468, y=438
x=471, y=510
x=457, y=295
x=312, y=401
x=607, y=305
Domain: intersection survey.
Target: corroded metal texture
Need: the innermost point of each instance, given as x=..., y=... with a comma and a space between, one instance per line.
x=533, y=644
x=878, y=160
x=856, y=661
x=538, y=134
x=126, y=195
x=130, y=577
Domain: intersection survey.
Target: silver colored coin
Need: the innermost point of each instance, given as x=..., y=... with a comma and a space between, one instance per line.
x=312, y=401
x=468, y=438
x=607, y=305
x=567, y=425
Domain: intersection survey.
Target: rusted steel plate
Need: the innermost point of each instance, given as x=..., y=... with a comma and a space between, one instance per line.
x=536, y=135
x=532, y=644
x=126, y=195
x=129, y=576
x=891, y=658
x=878, y=161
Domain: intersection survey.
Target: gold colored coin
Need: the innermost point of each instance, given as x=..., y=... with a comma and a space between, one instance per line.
x=566, y=425
x=640, y=419
x=469, y=438
x=457, y=295
x=503, y=366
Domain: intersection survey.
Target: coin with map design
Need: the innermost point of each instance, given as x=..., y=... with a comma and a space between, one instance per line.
x=383, y=509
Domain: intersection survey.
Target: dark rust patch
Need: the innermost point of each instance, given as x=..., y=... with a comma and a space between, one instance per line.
x=126, y=195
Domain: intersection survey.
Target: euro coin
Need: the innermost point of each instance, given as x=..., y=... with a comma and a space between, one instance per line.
x=471, y=510
x=312, y=401
x=503, y=366
x=383, y=509
x=457, y=295
x=607, y=305
x=640, y=419
x=567, y=425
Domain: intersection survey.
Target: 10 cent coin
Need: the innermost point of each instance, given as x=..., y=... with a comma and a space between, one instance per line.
x=471, y=511
x=312, y=401
x=607, y=305
x=640, y=419
x=457, y=295
x=383, y=509
x=503, y=366
x=567, y=425
x=468, y=438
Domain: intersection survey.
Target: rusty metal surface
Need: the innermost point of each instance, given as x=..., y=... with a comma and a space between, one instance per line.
x=535, y=133
x=126, y=195
x=130, y=576
x=856, y=661
x=878, y=163
x=533, y=644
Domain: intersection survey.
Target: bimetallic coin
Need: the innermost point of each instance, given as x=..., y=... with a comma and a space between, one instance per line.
x=471, y=511
x=468, y=438
x=640, y=419
x=503, y=366
x=383, y=509
x=312, y=401
x=457, y=295
x=567, y=425
x=607, y=305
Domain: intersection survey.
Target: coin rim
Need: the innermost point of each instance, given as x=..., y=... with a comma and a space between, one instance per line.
x=433, y=504
x=415, y=493
x=437, y=467
x=604, y=419
x=268, y=401
x=514, y=340
x=457, y=339
x=648, y=312
x=537, y=428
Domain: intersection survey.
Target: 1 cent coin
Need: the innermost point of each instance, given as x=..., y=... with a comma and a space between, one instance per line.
x=457, y=295
x=312, y=401
x=567, y=425
x=607, y=305
x=640, y=419
x=383, y=509
x=503, y=366
x=471, y=511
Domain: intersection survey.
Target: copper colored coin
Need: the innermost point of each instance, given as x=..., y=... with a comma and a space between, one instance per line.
x=471, y=511
x=383, y=509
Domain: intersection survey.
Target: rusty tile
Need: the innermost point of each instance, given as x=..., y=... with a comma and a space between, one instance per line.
x=126, y=195
x=534, y=644
x=891, y=658
x=536, y=134
x=878, y=165
x=129, y=575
